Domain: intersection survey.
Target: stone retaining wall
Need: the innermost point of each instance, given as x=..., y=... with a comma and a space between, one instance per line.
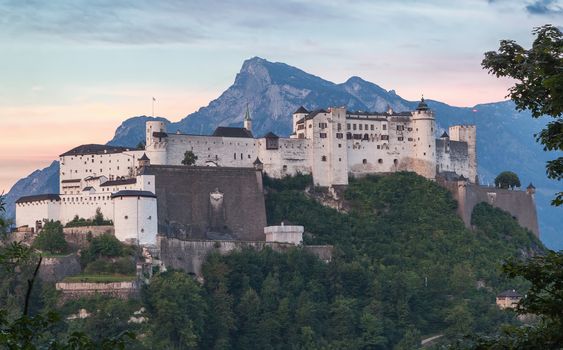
x=76, y=290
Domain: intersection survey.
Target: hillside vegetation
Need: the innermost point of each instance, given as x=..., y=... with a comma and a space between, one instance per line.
x=404, y=268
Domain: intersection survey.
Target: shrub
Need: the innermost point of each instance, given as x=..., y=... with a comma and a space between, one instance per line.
x=507, y=179
x=51, y=238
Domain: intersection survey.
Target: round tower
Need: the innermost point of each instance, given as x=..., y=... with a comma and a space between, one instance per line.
x=156, y=141
x=424, y=124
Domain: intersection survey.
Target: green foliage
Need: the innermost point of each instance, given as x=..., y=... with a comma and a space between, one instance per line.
x=97, y=220
x=176, y=309
x=51, y=238
x=296, y=182
x=103, y=246
x=538, y=87
x=122, y=266
x=507, y=179
x=189, y=158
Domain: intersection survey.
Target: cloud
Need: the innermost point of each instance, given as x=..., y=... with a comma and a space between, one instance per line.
x=545, y=7
x=136, y=22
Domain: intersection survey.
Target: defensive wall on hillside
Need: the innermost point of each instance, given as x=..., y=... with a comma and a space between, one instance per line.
x=54, y=269
x=209, y=202
x=520, y=204
x=189, y=255
x=76, y=290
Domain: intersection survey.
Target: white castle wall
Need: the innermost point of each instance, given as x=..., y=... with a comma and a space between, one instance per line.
x=290, y=158
x=30, y=212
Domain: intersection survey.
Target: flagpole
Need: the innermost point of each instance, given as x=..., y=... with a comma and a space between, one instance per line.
x=153, y=106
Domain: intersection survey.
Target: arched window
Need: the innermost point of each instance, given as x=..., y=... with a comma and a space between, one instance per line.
x=395, y=161
x=380, y=161
x=323, y=158
x=364, y=161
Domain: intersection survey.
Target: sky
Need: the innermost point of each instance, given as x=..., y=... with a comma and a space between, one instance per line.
x=72, y=71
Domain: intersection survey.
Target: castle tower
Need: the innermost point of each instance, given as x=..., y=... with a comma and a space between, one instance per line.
x=299, y=114
x=156, y=141
x=468, y=134
x=247, y=120
x=424, y=150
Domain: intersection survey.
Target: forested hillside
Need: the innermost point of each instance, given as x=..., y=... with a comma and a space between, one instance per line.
x=405, y=268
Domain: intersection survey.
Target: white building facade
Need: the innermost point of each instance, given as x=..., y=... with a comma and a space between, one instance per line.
x=331, y=145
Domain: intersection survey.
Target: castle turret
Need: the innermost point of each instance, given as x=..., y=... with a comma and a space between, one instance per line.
x=424, y=150
x=247, y=120
x=156, y=142
x=299, y=114
x=468, y=134
x=531, y=189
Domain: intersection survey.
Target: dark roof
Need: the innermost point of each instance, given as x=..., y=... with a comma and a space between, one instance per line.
x=445, y=134
x=89, y=178
x=257, y=161
x=39, y=197
x=509, y=293
x=314, y=113
x=271, y=135
x=119, y=182
x=144, y=157
x=159, y=134
x=226, y=131
x=133, y=193
x=70, y=180
x=301, y=110
x=531, y=186
x=94, y=149
x=422, y=106
x=88, y=188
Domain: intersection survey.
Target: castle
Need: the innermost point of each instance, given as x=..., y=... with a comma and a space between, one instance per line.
x=331, y=145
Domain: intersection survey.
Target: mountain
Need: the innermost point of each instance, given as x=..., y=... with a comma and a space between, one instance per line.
x=274, y=90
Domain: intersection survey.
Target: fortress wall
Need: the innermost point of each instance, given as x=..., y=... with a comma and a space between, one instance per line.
x=519, y=204
x=78, y=236
x=189, y=255
x=292, y=153
x=186, y=208
x=453, y=156
x=225, y=151
x=76, y=290
x=56, y=268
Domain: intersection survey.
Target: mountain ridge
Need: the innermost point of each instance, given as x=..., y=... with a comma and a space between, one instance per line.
x=273, y=90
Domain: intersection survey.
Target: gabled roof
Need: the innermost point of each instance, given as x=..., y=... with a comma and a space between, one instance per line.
x=530, y=186
x=94, y=149
x=39, y=197
x=271, y=135
x=88, y=188
x=301, y=110
x=445, y=135
x=144, y=157
x=226, y=131
x=311, y=115
x=257, y=161
x=133, y=193
x=119, y=182
x=509, y=293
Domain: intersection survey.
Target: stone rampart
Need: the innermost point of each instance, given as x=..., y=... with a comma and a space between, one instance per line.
x=189, y=255
x=78, y=236
x=76, y=290
x=54, y=269
x=520, y=204
x=209, y=202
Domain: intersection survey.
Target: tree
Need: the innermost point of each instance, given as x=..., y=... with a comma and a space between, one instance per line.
x=507, y=179
x=52, y=238
x=176, y=309
x=539, y=86
x=189, y=158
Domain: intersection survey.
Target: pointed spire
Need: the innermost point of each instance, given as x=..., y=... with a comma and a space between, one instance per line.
x=422, y=106
x=247, y=113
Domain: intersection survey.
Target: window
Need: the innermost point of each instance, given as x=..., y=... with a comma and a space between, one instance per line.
x=234, y=156
x=400, y=138
x=339, y=135
x=380, y=161
x=364, y=161
x=366, y=137
x=353, y=126
x=348, y=136
x=126, y=217
x=323, y=158
x=385, y=137
x=241, y=156
x=348, y=126
x=339, y=127
x=284, y=168
x=395, y=161
x=357, y=136
x=339, y=145
x=384, y=126
x=360, y=126
x=323, y=125
x=378, y=146
x=371, y=127
x=322, y=135
x=400, y=127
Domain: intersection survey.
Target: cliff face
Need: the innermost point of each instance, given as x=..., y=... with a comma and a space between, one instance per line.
x=274, y=90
